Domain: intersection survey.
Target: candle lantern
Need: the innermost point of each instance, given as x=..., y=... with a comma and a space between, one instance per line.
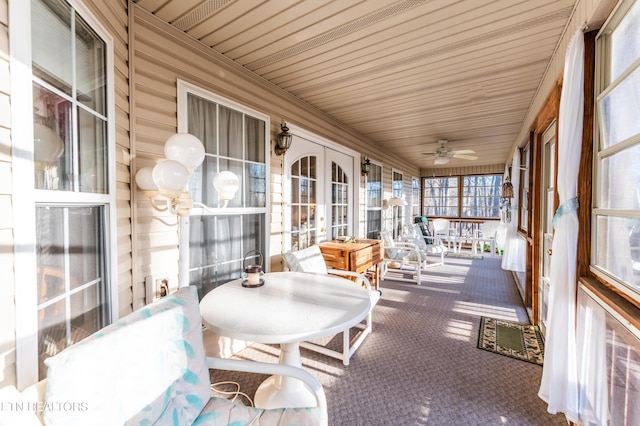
x=252, y=276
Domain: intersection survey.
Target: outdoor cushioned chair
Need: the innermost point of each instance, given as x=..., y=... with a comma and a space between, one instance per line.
x=150, y=368
x=402, y=260
x=414, y=235
x=311, y=260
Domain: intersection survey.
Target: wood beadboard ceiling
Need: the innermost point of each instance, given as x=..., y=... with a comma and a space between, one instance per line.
x=403, y=73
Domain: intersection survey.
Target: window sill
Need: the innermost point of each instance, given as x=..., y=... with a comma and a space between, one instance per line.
x=615, y=301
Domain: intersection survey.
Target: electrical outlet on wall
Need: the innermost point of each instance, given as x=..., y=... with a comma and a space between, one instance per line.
x=156, y=287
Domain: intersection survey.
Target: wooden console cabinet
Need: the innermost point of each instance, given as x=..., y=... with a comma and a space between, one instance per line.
x=359, y=256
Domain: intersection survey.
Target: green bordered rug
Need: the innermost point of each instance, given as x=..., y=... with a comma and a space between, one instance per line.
x=519, y=341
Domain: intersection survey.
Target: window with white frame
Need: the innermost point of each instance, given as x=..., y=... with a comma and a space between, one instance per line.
x=415, y=196
x=397, y=211
x=235, y=139
x=616, y=212
x=71, y=170
x=374, y=201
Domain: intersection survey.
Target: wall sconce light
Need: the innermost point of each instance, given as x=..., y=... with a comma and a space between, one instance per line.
x=366, y=166
x=283, y=140
x=165, y=183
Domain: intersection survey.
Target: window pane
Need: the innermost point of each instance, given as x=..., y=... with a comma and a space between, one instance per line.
x=51, y=45
x=201, y=182
x=625, y=42
x=374, y=220
x=203, y=121
x=218, y=245
x=481, y=196
x=85, y=249
x=92, y=146
x=619, y=111
x=257, y=188
x=374, y=201
x=230, y=132
x=620, y=180
x=70, y=257
x=90, y=68
x=52, y=140
x=441, y=197
x=618, y=248
x=254, y=139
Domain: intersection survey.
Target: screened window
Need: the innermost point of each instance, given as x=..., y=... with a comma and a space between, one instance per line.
x=71, y=161
x=617, y=203
x=374, y=201
x=441, y=196
x=398, y=211
x=481, y=196
x=235, y=140
x=415, y=196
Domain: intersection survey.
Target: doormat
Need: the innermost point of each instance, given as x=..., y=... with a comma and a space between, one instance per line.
x=519, y=341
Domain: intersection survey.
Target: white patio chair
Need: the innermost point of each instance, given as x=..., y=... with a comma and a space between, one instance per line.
x=401, y=259
x=311, y=260
x=485, y=235
x=446, y=233
x=435, y=246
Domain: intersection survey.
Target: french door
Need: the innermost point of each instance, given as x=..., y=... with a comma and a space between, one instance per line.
x=548, y=200
x=318, y=193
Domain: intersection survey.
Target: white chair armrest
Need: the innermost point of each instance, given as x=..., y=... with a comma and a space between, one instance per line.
x=365, y=280
x=277, y=369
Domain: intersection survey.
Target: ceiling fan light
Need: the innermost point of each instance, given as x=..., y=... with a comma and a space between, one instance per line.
x=440, y=160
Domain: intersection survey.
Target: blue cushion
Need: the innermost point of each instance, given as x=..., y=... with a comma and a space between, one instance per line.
x=147, y=368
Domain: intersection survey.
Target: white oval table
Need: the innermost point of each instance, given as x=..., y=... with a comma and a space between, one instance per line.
x=289, y=308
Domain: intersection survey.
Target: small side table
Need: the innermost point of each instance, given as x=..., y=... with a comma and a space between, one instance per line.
x=359, y=256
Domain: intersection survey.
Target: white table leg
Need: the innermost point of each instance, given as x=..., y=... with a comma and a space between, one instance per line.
x=279, y=391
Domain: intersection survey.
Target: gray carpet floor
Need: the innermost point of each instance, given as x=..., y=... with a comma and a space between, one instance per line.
x=421, y=366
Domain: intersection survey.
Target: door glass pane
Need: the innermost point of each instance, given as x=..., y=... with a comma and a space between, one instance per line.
x=339, y=206
x=303, y=204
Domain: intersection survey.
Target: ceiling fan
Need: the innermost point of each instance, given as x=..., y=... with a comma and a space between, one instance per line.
x=442, y=155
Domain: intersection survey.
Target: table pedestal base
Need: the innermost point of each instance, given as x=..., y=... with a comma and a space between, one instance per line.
x=279, y=391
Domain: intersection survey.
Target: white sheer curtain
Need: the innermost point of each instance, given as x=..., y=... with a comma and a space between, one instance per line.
x=559, y=387
x=592, y=361
x=513, y=258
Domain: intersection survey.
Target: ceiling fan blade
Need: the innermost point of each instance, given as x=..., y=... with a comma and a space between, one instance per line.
x=464, y=151
x=465, y=156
